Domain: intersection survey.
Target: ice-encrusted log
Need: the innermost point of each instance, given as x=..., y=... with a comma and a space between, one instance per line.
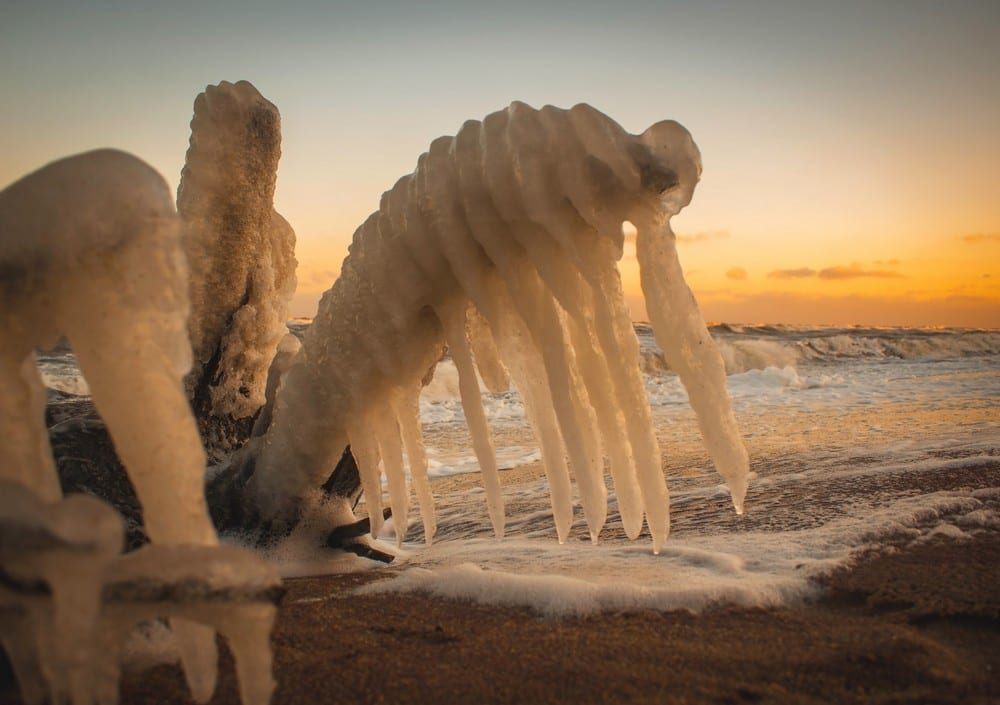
x=518, y=220
x=241, y=254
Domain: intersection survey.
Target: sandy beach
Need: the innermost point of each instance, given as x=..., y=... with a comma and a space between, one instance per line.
x=918, y=625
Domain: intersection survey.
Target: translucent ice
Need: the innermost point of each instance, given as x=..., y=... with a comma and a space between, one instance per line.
x=68, y=600
x=502, y=244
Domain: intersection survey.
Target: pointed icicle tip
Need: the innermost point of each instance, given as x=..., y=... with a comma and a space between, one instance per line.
x=658, y=542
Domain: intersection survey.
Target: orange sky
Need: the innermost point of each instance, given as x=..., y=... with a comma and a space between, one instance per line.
x=850, y=149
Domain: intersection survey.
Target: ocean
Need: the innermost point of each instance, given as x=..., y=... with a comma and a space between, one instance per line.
x=859, y=439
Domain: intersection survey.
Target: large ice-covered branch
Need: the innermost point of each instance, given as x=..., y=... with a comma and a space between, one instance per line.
x=240, y=251
x=503, y=241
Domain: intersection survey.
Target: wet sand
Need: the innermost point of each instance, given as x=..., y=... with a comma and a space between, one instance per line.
x=913, y=625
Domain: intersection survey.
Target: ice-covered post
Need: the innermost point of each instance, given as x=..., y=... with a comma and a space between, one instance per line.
x=241, y=254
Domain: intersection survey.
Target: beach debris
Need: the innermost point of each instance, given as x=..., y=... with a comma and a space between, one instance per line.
x=241, y=255
x=503, y=245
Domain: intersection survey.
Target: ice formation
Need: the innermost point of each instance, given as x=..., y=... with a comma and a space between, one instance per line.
x=240, y=251
x=502, y=244
x=68, y=600
x=229, y=589
x=90, y=249
x=52, y=559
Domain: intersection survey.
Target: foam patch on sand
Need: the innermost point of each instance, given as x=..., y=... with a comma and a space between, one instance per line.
x=746, y=569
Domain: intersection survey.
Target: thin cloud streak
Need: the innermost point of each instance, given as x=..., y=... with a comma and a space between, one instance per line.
x=980, y=238
x=704, y=236
x=800, y=273
x=855, y=272
x=836, y=273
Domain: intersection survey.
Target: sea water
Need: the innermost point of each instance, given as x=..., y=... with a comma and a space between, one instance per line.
x=858, y=438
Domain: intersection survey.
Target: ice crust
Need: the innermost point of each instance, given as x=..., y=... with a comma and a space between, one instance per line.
x=503, y=245
x=240, y=250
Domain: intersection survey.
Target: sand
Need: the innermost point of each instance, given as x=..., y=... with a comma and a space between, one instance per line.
x=917, y=625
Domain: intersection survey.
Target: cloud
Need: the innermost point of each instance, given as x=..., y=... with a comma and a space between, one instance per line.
x=704, y=236
x=737, y=274
x=799, y=273
x=855, y=271
x=979, y=238
x=837, y=309
x=836, y=273
x=315, y=279
x=887, y=263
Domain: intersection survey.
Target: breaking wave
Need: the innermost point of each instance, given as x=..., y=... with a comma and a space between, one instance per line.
x=746, y=348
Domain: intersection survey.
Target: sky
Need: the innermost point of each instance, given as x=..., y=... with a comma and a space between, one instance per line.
x=850, y=149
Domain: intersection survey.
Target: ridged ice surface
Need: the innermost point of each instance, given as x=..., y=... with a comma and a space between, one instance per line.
x=502, y=245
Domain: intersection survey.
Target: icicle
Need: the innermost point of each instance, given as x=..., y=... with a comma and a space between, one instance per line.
x=611, y=421
x=406, y=404
x=454, y=320
x=690, y=351
x=387, y=431
x=488, y=168
x=621, y=348
x=214, y=587
x=522, y=360
x=364, y=447
x=672, y=168
x=484, y=350
x=546, y=165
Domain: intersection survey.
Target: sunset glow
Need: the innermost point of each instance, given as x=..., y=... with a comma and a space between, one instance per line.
x=849, y=150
